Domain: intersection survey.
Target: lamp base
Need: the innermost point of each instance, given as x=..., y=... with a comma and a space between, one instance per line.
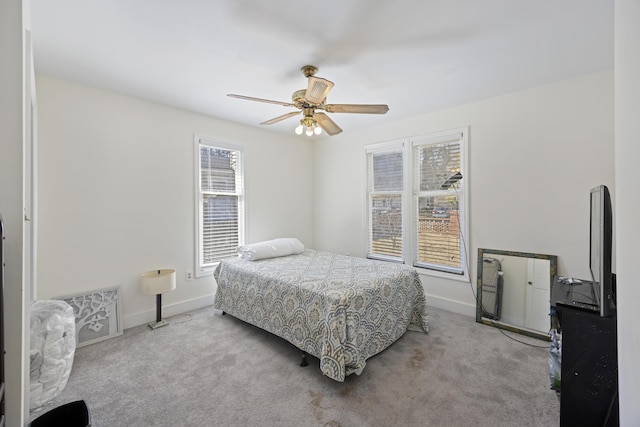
x=159, y=320
x=156, y=325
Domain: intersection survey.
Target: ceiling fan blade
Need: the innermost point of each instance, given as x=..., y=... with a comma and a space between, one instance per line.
x=328, y=125
x=357, y=108
x=280, y=118
x=250, y=98
x=317, y=90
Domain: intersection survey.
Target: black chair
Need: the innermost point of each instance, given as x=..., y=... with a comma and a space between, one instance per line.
x=72, y=414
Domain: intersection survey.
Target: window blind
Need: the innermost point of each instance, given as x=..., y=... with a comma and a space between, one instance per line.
x=221, y=188
x=438, y=200
x=385, y=183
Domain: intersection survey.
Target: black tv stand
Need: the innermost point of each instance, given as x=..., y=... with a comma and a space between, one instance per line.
x=589, y=368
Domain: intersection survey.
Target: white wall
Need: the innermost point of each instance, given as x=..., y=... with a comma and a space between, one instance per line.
x=116, y=193
x=13, y=103
x=627, y=94
x=534, y=155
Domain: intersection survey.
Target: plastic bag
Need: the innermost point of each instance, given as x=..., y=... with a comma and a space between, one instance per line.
x=53, y=345
x=555, y=360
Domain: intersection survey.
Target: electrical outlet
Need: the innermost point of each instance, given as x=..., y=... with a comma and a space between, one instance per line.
x=188, y=275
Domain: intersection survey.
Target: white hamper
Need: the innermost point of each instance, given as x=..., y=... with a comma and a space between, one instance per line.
x=53, y=344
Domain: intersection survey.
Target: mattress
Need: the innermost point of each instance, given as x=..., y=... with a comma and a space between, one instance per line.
x=338, y=308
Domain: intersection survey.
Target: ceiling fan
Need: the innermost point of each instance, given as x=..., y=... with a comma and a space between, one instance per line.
x=313, y=98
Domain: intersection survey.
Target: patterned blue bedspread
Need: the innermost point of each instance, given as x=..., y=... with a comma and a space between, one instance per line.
x=338, y=308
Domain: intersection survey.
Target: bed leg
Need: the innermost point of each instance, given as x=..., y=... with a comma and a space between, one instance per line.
x=304, y=359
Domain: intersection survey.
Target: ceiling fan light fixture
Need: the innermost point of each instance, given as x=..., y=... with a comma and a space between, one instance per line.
x=307, y=125
x=317, y=129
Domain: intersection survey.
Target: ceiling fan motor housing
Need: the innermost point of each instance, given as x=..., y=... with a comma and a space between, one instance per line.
x=298, y=96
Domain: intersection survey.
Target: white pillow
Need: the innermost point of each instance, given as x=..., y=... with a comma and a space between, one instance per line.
x=271, y=249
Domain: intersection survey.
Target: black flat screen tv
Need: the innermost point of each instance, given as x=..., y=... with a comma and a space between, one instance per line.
x=600, y=250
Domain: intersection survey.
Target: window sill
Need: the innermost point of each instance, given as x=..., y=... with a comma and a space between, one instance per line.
x=443, y=275
x=199, y=274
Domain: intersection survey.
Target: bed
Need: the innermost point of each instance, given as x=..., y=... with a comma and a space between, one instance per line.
x=338, y=308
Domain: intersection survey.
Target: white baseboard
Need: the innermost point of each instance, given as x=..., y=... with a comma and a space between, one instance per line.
x=451, y=305
x=148, y=316
x=144, y=317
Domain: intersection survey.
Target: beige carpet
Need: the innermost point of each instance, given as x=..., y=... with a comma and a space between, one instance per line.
x=206, y=369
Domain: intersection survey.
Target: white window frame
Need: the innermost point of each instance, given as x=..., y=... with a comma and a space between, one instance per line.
x=410, y=197
x=202, y=270
x=386, y=147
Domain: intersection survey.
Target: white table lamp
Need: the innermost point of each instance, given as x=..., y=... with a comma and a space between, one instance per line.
x=157, y=282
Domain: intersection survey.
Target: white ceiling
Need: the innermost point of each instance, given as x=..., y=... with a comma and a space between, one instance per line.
x=417, y=56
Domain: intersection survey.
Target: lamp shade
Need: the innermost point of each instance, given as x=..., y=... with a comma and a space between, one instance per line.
x=158, y=281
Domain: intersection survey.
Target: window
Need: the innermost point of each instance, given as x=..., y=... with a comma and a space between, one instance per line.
x=220, y=221
x=416, y=201
x=438, y=197
x=385, y=203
